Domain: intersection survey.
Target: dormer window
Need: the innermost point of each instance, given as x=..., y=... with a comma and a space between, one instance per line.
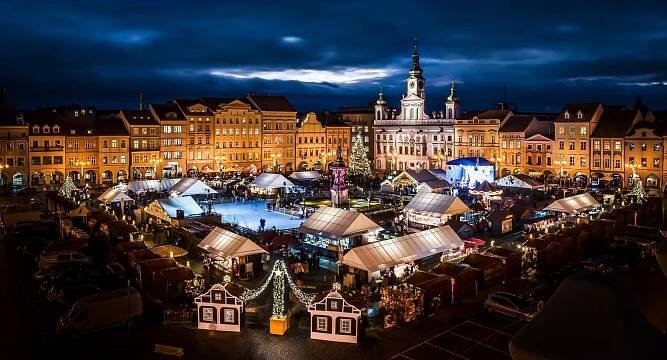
x=170, y=115
x=45, y=129
x=35, y=129
x=56, y=129
x=72, y=132
x=580, y=115
x=566, y=115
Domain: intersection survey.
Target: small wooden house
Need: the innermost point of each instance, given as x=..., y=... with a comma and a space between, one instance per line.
x=334, y=319
x=491, y=267
x=511, y=261
x=220, y=310
x=462, y=281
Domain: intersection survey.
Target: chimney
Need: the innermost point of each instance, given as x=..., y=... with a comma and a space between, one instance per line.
x=141, y=99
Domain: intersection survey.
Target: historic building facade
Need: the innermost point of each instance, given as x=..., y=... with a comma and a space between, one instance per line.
x=144, y=129
x=173, y=138
x=114, y=152
x=278, y=132
x=410, y=138
x=311, y=143
x=200, y=138
x=13, y=149
x=238, y=135
x=360, y=119
x=574, y=125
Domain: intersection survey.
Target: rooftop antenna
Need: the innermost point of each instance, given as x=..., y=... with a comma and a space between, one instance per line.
x=141, y=99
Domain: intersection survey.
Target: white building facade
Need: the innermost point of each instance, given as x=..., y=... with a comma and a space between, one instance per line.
x=411, y=138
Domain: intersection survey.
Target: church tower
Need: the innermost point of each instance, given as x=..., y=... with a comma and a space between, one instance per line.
x=452, y=105
x=381, y=108
x=412, y=104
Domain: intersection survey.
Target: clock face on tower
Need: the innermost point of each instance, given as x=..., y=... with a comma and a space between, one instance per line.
x=412, y=84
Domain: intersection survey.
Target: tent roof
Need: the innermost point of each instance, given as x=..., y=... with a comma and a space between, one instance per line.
x=137, y=186
x=338, y=223
x=82, y=210
x=436, y=204
x=189, y=186
x=486, y=187
x=391, y=252
x=573, y=204
x=223, y=243
x=519, y=181
x=113, y=195
x=185, y=203
x=305, y=175
x=271, y=181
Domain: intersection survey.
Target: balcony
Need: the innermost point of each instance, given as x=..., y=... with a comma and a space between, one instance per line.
x=46, y=148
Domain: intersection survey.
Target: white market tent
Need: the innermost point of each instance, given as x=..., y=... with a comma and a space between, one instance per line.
x=113, y=195
x=434, y=208
x=305, y=175
x=519, y=181
x=335, y=223
x=189, y=186
x=271, y=181
x=573, y=204
x=166, y=208
x=141, y=186
x=401, y=250
x=221, y=243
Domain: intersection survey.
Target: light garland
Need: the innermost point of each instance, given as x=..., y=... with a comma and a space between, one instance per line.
x=278, y=292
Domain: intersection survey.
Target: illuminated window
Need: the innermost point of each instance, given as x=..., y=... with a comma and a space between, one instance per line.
x=346, y=326
x=322, y=323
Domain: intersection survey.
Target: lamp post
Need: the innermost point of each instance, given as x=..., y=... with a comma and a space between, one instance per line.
x=560, y=163
x=4, y=167
x=81, y=164
x=155, y=163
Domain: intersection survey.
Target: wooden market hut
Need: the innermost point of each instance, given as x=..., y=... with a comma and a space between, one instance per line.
x=169, y=284
x=511, y=261
x=148, y=271
x=502, y=222
x=463, y=281
x=566, y=243
x=334, y=318
x=220, y=309
x=544, y=254
x=432, y=285
x=491, y=267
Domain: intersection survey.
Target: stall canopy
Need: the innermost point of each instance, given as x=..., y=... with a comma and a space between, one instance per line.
x=305, y=175
x=189, y=186
x=437, y=205
x=521, y=181
x=401, y=250
x=166, y=209
x=271, y=181
x=113, y=195
x=221, y=243
x=573, y=204
x=81, y=211
x=336, y=223
x=142, y=186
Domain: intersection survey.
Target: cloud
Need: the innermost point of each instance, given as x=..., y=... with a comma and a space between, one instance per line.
x=291, y=39
x=346, y=75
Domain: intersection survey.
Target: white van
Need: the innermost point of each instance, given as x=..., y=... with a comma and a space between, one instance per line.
x=51, y=259
x=99, y=311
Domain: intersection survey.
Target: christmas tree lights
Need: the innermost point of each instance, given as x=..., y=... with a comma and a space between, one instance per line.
x=67, y=187
x=359, y=163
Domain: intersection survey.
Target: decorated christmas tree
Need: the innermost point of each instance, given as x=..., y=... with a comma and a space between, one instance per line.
x=638, y=192
x=359, y=163
x=67, y=187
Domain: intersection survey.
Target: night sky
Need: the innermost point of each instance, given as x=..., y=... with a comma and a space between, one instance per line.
x=322, y=57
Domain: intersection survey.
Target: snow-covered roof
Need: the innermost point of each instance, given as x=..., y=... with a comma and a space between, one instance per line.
x=113, y=195
x=391, y=252
x=337, y=223
x=170, y=205
x=434, y=204
x=519, y=181
x=305, y=175
x=190, y=186
x=162, y=185
x=222, y=243
x=271, y=181
x=573, y=204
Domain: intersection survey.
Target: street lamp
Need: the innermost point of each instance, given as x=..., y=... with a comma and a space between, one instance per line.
x=81, y=164
x=560, y=163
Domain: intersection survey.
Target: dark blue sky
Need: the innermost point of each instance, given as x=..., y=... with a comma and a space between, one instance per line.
x=322, y=57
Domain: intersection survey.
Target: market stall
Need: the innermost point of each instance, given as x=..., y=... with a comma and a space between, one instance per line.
x=174, y=208
x=520, y=181
x=433, y=286
x=235, y=253
x=433, y=209
x=306, y=176
x=113, y=195
x=190, y=186
x=398, y=252
x=333, y=318
x=220, y=310
x=462, y=281
x=492, y=269
x=488, y=192
x=269, y=183
x=145, y=186
x=331, y=230
x=574, y=204
x=511, y=261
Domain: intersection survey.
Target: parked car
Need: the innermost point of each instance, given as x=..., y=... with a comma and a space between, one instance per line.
x=595, y=266
x=103, y=310
x=71, y=292
x=67, y=257
x=513, y=305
